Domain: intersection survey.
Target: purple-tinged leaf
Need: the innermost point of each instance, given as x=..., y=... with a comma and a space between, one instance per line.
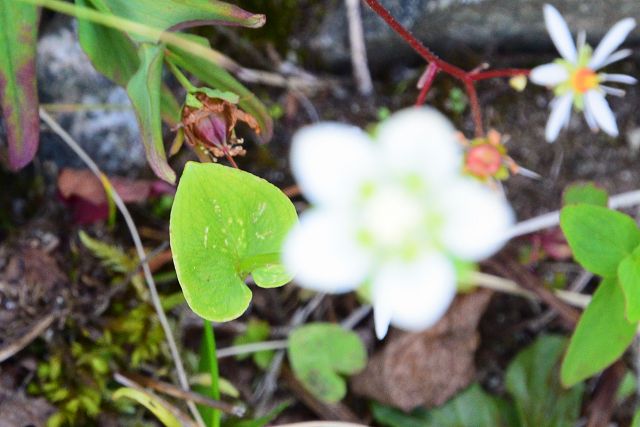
x=144, y=92
x=18, y=91
x=177, y=15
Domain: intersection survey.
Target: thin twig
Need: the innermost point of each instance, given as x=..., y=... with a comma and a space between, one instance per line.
x=509, y=267
x=268, y=385
x=500, y=284
x=25, y=339
x=358, y=48
x=251, y=348
x=155, y=298
x=356, y=317
x=552, y=219
x=171, y=390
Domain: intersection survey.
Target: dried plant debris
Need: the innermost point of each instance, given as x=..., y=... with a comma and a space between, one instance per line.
x=31, y=282
x=427, y=368
x=17, y=410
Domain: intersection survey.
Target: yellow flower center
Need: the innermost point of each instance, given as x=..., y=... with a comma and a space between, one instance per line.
x=583, y=80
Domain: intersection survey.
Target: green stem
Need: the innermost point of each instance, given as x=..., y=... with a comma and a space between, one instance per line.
x=210, y=346
x=184, y=81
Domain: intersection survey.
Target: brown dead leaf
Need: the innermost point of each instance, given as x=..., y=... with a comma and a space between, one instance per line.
x=84, y=193
x=84, y=184
x=427, y=368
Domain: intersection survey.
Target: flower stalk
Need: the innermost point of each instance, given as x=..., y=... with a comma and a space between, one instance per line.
x=437, y=64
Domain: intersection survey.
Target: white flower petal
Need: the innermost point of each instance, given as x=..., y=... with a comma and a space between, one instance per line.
x=413, y=296
x=560, y=113
x=323, y=253
x=549, y=75
x=613, y=91
x=560, y=34
x=601, y=111
x=619, y=78
x=422, y=141
x=591, y=121
x=476, y=220
x=616, y=56
x=331, y=160
x=581, y=40
x=614, y=38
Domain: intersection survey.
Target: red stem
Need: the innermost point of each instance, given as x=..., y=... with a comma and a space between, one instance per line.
x=426, y=81
x=492, y=74
x=468, y=78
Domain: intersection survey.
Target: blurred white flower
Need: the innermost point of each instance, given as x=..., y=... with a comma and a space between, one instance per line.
x=575, y=78
x=394, y=215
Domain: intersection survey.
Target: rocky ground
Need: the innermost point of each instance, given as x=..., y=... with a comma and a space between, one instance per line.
x=503, y=33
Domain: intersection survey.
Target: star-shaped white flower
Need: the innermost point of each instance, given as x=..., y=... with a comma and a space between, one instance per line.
x=575, y=77
x=393, y=215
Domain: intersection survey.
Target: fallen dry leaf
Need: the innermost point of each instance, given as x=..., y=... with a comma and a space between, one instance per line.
x=427, y=368
x=84, y=193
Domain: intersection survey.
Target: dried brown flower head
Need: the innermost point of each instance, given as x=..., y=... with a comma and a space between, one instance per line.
x=210, y=126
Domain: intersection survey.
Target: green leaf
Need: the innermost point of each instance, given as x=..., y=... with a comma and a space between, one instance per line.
x=19, y=96
x=226, y=223
x=144, y=92
x=218, y=78
x=151, y=402
x=636, y=419
x=599, y=237
x=627, y=387
x=111, y=52
x=114, y=55
x=391, y=417
x=601, y=336
x=257, y=331
x=181, y=14
x=585, y=193
x=471, y=407
x=532, y=379
x=629, y=278
x=320, y=352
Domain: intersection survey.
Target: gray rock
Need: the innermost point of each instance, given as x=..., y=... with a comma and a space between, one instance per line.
x=66, y=76
x=448, y=26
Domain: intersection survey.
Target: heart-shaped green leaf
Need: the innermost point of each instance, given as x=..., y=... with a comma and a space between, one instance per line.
x=629, y=278
x=18, y=94
x=601, y=337
x=599, y=237
x=226, y=224
x=319, y=352
x=144, y=92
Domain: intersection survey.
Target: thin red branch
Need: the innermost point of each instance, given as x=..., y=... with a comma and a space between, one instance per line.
x=426, y=81
x=492, y=74
x=436, y=64
x=476, y=111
